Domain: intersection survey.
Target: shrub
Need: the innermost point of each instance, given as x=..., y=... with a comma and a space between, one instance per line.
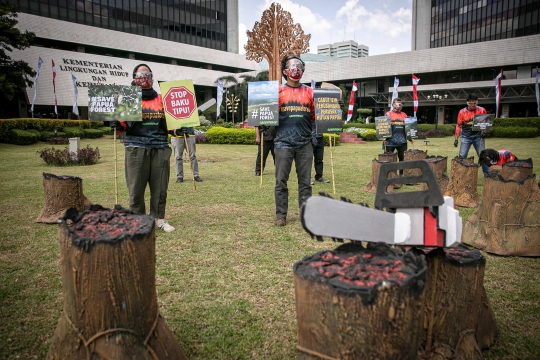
x=359, y=125
x=366, y=134
x=106, y=130
x=58, y=140
x=220, y=122
x=92, y=133
x=201, y=138
x=432, y=134
x=22, y=137
x=514, y=132
x=204, y=121
x=46, y=135
x=335, y=139
x=221, y=135
x=85, y=156
x=521, y=122
x=6, y=125
x=72, y=132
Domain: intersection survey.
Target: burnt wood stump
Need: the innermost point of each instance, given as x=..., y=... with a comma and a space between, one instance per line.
x=507, y=222
x=413, y=154
x=457, y=318
x=438, y=164
x=359, y=303
x=61, y=193
x=463, y=181
x=371, y=186
x=107, y=259
x=390, y=157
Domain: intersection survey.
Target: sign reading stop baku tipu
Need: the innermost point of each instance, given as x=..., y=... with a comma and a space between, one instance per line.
x=179, y=103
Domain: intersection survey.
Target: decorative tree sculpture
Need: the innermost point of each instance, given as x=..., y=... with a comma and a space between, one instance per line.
x=274, y=37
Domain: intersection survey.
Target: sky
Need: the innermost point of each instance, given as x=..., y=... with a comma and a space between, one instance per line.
x=383, y=25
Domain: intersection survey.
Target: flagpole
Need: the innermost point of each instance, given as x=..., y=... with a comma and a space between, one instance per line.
x=262, y=149
x=332, y=163
x=115, y=169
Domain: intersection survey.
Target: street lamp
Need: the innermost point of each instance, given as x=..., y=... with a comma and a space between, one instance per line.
x=232, y=104
x=436, y=98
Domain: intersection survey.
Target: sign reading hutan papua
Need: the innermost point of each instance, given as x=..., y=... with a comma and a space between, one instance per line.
x=274, y=37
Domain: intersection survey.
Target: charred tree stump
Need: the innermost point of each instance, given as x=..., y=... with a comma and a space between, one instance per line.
x=371, y=186
x=507, y=222
x=356, y=303
x=413, y=154
x=61, y=193
x=463, y=181
x=438, y=165
x=517, y=170
x=107, y=258
x=457, y=318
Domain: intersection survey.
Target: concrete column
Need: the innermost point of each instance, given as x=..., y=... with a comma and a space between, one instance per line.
x=440, y=114
x=232, y=26
x=74, y=146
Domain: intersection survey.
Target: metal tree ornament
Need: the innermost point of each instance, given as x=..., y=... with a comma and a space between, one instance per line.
x=274, y=37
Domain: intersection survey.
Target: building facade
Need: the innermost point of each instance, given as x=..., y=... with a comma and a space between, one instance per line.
x=96, y=47
x=343, y=49
x=439, y=23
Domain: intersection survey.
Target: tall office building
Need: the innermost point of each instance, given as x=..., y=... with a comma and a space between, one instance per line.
x=439, y=23
x=101, y=41
x=343, y=50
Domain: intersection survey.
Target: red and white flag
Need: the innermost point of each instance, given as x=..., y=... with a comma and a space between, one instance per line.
x=351, y=102
x=54, y=87
x=498, y=93
x=415, y=81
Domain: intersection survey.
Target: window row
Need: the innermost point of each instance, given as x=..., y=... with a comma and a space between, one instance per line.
x=474, y=36
x=489, y=29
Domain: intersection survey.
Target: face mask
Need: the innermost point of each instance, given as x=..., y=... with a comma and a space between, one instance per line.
x=397, y=107
x=143, y=80
x=294, y=73
x=471, y=105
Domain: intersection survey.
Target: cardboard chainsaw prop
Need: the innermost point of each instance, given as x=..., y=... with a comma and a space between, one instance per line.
x=417, y=218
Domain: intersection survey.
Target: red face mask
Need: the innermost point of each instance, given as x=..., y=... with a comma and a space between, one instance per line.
x=144, y=82
x=294, y=73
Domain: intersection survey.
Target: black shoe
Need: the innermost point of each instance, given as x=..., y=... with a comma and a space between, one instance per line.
x=179, y=180
x=257, y=173
x=198, y=179
x=323, y=180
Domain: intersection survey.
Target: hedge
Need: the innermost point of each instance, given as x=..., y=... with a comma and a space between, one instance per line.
x=72, y=132
x=6, y=125
x=335, y=139
x=92, y=133
x=521, y=122
x=514, y=132
x=221, y=135
x=22, y=137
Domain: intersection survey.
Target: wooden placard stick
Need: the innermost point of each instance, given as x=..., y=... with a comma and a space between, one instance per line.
x=190, y=164
x=332, y=163
x=115, y=169
x=262, y=149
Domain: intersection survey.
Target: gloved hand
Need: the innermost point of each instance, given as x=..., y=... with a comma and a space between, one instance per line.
x=340, y=102
x=116, y=125
x=455, y=143
x=199, y=112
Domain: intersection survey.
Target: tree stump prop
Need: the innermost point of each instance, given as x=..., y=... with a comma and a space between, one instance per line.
x=463, y=181
x=457, y=318
x=107, y=258
x=357, y=303
x=507, y=222
x=438, y=164
x=413, y=154
x=517, y=170
x=61, y=193
x=371, y=186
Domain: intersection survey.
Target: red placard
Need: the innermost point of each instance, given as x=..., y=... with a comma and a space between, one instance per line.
x=179, y=102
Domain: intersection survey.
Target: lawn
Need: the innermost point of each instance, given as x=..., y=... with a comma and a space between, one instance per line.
x=224, y=277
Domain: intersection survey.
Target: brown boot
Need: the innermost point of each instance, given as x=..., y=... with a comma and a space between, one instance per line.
x=280, y=221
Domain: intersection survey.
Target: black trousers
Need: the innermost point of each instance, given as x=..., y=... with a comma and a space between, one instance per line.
x=318, y=155
x=400, y=152
x=268, y=147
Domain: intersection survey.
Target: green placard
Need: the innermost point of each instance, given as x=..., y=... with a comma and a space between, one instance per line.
x=263, y=103
x=328, y=111
x=114, y=102
x=483, y=122
x=383, y=127
x=179, y=104
x=411, y=127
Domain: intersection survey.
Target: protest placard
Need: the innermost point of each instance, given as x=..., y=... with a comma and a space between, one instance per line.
x=411, y=127
x=383, y=128
x=483, y=122
x=263, y=103
x=328, y=113
x=114, y=102
x=179, y=104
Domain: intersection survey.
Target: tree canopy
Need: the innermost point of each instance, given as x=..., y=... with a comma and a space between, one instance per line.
x=14, y=75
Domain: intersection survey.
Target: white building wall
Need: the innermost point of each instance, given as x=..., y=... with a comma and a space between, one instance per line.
x=421, y=24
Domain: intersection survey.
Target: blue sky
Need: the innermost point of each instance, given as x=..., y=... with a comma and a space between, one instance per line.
x=384, y=26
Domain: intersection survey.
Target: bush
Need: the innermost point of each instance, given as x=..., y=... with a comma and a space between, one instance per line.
x=46, y=135
x=92, y=133
x=439, y=133
x=514, y=132
x=106, y=130
x=85, y=156
x=359, y=125
x=520, y=122
x=72, y=132
x=201, y=138
x=6, y=125
x=335, y=139
x=204, y=121
x=22, y=137
x=221, y=135
x=365, y=133
x=58, y=140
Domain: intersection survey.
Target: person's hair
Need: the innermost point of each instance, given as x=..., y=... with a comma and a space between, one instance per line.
x=137, y=67
x=472, y=97
x=492, y=155
x=396, y=99
x=289, y=57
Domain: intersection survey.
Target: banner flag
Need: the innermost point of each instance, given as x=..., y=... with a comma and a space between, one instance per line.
x=537, y=91
x=415, y=81
x=40, y=61
x=395, y=93
x=498, y=93
x=219, y=97
x=54, y=88
x=351, y=102
x=76, y=91
x=313, y=84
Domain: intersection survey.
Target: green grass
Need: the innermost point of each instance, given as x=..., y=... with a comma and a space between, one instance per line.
x=224, y=277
